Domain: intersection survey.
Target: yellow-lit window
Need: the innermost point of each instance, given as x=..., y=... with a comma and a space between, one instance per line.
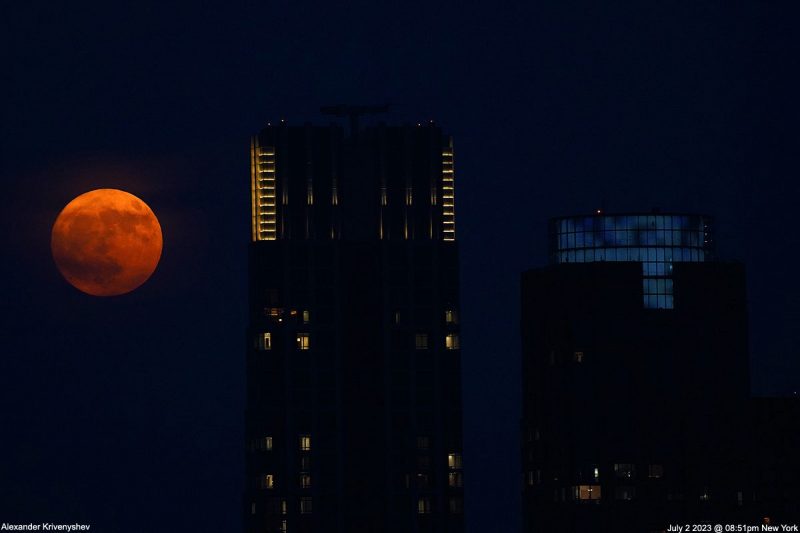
x=451, y=341
x=305, y=505
x=578, y=357
x=305, y=442
x=303, y=341
x=450, y=316
x=274, y=312
x=655, y=471
x=283, y=526
x=284, y=507
x=424, y=506
x=263, y=444
x=454, y=461
x=455, y=479
x=306, y=317
x=268, y=481
x=421, y=341
x=587, y=492
x=305, y=481
x=264, y=341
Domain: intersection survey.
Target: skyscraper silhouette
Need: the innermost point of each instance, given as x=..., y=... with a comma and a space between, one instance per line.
x=353, y=416
x=635, y=377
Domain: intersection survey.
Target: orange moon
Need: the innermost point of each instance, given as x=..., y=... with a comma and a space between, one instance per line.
x=106, y=242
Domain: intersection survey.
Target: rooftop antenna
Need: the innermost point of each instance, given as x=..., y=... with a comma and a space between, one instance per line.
x=353, y=111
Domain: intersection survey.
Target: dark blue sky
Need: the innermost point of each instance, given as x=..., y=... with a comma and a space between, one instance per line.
x=127, y=413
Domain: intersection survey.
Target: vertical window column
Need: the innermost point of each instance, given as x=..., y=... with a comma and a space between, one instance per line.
x=264, y=193
x=448, y=194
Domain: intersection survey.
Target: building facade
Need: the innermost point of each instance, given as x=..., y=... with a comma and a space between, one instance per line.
x=775, y=464
x=635, y=377
x=353, y=418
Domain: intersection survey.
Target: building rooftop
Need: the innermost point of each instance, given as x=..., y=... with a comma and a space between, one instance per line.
x=655, y=239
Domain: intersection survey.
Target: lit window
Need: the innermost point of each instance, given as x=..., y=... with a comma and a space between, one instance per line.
x=283, y=526
x=306, y=317
x=454, y=461
x=267, y=481
x=303, y=341
x=456, y=505
x=253, y=508
x=284, y=507
x=274, y=313
x=305, y=481
x=578, y=357
x=655, y=471
x=423, y=443
x=305, y=442
x=397, y=317
x=264, y=341
x=305, y=505
x=587, y=492
x=624, y=470
x=455, y=479
x=263, y=444
x=424, y=506
x=451, y=341
x=421, y=341
x=450, y=316
x=596, y=473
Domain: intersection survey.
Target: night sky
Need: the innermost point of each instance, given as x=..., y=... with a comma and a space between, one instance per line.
x=127, y=412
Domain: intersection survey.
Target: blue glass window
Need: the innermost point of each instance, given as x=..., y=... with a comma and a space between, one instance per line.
x=656, y=241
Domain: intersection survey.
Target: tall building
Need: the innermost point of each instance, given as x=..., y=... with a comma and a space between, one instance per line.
x=775, y=463
x=353, y=419
x=635, y=377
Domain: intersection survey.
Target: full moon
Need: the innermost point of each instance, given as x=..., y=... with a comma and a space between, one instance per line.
x=106, y=242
